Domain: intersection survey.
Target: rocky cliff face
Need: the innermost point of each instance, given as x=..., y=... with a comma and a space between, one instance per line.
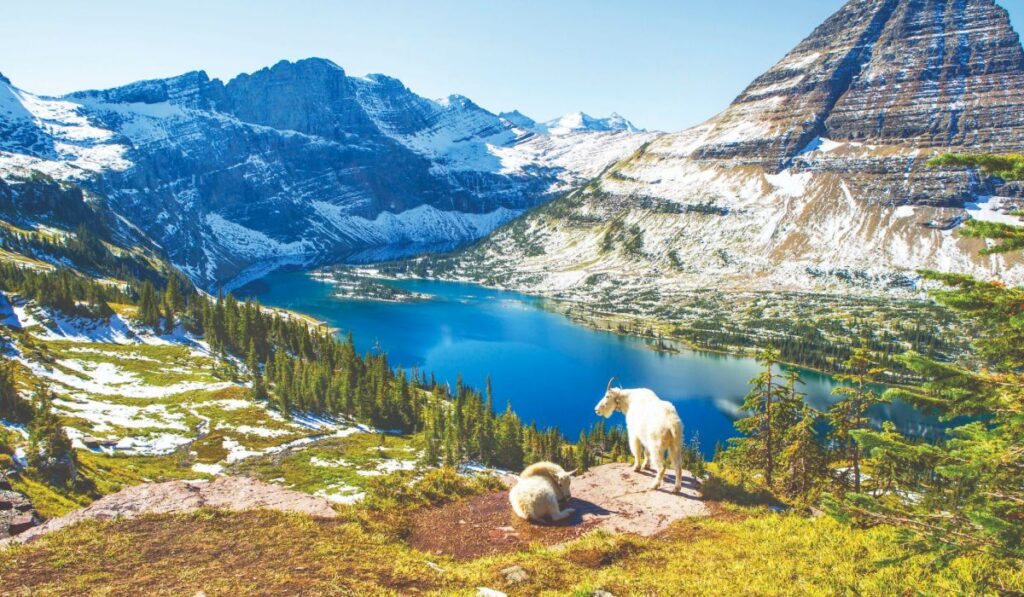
x=905, y=75
x=814, y=178
x=298, y=161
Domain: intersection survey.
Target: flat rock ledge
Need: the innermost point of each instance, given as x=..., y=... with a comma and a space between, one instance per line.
x=229, y=493
x=616, y=499
x=610, y=497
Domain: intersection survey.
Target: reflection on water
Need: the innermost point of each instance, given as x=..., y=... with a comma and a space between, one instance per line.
x=551, y=370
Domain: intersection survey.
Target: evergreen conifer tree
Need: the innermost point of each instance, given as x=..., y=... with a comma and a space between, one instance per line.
x=848, y=415
x=763, y=431
x=12, y=406
x=50, y=450
x=965, y=492
x=149, y=309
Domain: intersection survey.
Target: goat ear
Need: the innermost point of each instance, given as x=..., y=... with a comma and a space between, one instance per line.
x=572, y=472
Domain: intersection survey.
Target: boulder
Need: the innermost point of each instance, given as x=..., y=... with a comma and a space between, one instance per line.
x=16, y=514
x=21, y=523
x=12, y=500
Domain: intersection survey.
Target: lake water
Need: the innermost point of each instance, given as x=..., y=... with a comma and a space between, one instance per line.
x=552, y=370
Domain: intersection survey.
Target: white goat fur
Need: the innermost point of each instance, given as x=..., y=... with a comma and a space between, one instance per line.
x=555, y=473
x=653, y=425
x=537, y=494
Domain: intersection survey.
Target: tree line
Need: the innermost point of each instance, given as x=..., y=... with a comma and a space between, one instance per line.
x=297, y=368
x=961, y=493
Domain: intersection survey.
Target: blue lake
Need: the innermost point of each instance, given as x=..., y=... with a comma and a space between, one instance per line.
x=552, y=370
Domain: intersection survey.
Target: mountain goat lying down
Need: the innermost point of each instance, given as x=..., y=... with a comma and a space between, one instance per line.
x=652, y=424
x=541, y=490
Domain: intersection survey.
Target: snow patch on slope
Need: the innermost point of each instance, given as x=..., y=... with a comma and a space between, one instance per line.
x=62, y=141
x=251, y=243
x=423, y=224
x=990, y=209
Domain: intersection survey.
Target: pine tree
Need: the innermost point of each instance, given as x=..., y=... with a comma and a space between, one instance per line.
x=510, y=440
x=582, y=453
x=848, y=415
x=252, y=364
x=804, y=456
x=965, y=492
x=50, y=450
x=450, y=447
x=173, y=303
x=98, y=306
x=149, y=310
x=764, y=428
x=12, y=406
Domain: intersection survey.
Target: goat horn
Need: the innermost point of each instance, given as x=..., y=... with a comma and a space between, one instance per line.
x=610, y=382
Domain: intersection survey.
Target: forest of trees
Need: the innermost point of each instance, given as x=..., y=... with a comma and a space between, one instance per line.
x=795, y=450
x=807, y=344
x=297, y=368
x=962, y=493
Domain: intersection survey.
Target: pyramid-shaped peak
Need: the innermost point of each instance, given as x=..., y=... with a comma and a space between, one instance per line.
x=928, y=74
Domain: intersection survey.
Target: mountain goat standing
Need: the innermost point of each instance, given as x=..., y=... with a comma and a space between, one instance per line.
x=541, y=489
x=652, y=424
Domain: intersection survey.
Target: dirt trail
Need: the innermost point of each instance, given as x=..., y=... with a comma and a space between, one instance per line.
x=610, y=497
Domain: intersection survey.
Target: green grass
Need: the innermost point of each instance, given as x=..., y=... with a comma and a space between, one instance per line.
x=100, y=475
x=764, y=554
x=1007, y=166
x=160, y=365
x=738, y=553
x=165, y=366
x=298, y=469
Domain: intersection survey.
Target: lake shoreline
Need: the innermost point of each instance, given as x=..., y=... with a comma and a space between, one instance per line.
x=593, y=323
x=536, y=356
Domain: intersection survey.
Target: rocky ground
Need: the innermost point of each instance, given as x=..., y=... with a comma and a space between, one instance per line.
x=17, y=514
x=610, y=497
x=229, y=493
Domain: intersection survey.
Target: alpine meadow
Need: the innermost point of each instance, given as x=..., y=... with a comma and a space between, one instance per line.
x=301, y=332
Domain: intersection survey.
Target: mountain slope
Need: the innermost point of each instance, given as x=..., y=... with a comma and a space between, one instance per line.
x=298, y=162
x=813, y=179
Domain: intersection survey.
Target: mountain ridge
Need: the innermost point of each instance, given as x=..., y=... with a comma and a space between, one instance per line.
x=814, y=179
x=296, y=161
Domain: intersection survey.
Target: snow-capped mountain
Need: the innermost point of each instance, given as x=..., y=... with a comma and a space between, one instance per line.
x=580, y=122
x=577, y=122
x=814, y=178
x=298, y=161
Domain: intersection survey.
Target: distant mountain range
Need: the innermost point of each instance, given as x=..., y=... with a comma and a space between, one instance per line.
x=300, y=162
x=815, y=178
x=571, y=123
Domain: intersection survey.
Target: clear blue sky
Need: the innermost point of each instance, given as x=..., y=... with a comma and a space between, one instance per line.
x=665, y=64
